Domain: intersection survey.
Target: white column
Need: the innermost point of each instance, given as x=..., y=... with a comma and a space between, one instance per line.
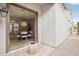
x=2, y=35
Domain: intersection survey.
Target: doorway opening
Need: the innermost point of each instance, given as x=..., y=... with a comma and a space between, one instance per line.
x=22, y=26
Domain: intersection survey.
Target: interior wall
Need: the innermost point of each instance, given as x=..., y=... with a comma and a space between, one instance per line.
x=19, y=20
x=29, y=21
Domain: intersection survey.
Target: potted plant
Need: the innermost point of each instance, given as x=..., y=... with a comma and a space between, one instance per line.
x=33, y=47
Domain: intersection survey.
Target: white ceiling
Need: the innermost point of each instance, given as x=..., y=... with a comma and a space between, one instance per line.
x=21, y=13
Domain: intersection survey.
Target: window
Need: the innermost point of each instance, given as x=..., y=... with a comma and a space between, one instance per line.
x=14, y=27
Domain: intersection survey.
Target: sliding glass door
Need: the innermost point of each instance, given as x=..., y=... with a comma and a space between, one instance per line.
x=22, y=26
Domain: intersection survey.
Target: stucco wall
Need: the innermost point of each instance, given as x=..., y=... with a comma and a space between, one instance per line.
x=2, y=35
x=48, y=25
x=3, y=32
x=62, y=25
x=55, y=28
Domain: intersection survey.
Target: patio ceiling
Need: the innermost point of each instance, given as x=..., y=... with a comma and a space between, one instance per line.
x=21, y=13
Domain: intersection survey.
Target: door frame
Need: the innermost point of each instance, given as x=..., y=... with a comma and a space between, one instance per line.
x=8, y=17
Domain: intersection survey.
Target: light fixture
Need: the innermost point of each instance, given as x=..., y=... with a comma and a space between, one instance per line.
x=24, y=24
x=3, y=12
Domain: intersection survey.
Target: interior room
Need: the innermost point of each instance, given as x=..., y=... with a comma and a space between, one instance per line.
x=22, y=27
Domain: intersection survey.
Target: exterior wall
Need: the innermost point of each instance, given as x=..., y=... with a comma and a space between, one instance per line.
x=62, y=25
x=48, y=25
x=55, y=27
x=3, y=33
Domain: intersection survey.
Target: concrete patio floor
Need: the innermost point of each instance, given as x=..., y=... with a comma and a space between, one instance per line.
x=43, y=50
x=69, y=47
